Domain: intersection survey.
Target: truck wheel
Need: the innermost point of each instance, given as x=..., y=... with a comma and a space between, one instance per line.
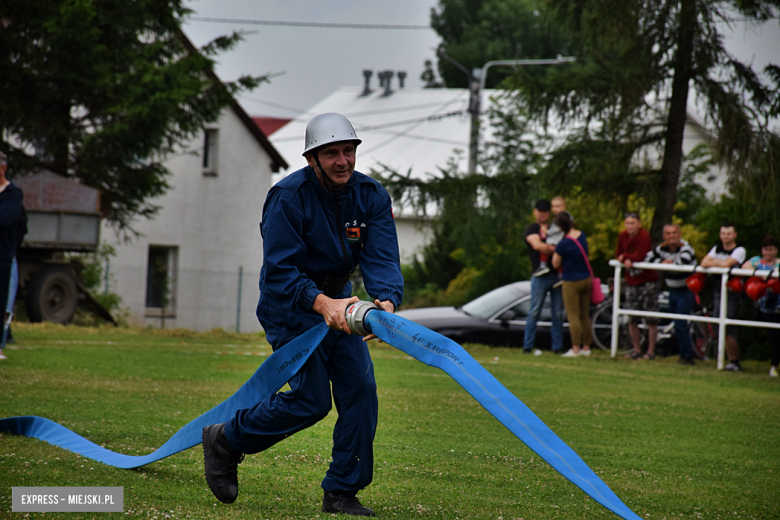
x=52, y=295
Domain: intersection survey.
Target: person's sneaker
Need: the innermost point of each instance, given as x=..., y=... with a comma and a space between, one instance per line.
x=221, y=463
x=772, y=372
x=2, y=356
x=585, y=352
x=733, y=366
x=685, y=361
x=570, y=353
x=541, y=270
x=557, y=284
x=527, y=351
x=344, y=502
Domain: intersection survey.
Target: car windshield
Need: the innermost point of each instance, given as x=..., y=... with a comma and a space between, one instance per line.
x=488, y=304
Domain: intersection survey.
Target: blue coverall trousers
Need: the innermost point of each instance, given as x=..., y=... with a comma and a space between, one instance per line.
x=342, y=362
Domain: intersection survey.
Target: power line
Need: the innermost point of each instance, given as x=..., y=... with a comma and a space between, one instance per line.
x=363, y=113
x=325, y=25
x=408, y=107
x=277, y=105
x=419, y=120
x=434, y=117
x=417, y=137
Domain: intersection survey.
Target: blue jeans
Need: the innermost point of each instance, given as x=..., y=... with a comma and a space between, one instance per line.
x=9, y=308
x=540, y=286
x=681, y=302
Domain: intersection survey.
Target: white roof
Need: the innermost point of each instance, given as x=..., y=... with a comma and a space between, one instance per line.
x=417, y=129
x=411, y=128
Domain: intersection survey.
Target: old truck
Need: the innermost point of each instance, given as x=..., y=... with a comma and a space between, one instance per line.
x=63, y=217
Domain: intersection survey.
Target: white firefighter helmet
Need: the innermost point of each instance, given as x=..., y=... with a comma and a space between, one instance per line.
x=328, y=128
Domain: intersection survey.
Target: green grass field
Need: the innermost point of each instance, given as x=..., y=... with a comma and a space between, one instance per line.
x=671, y=441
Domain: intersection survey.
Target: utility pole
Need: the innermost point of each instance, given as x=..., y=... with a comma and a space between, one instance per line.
x=477, y=79
x=474, y=109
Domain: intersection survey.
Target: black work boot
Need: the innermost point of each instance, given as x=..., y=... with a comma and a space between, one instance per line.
x=221, y=462
x=344, y=502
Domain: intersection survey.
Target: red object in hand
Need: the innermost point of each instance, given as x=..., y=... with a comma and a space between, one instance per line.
x=773, y=284
x=736, y=284
x=755, y=288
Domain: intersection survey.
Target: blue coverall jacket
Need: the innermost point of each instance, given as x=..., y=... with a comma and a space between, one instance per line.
x=309, y=232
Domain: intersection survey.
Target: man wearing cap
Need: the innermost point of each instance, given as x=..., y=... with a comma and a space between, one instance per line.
x=535, y=239
x=319, y=224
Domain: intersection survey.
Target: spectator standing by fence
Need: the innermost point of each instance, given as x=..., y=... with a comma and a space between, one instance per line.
x=554, y=236
x=727, y=254
x=571, y=253
x=768, y=306
x=536, y=240
x=11, y=198
x=676, y=251
x=641, y=285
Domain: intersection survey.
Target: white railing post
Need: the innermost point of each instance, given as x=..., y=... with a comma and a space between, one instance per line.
x=722, y=317
x=615, y=310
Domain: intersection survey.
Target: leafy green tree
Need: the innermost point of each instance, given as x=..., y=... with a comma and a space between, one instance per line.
x=103, y=91
x=625, y=100
x=474, y=32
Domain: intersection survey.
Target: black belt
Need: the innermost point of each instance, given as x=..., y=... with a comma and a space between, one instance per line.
x=331, y=284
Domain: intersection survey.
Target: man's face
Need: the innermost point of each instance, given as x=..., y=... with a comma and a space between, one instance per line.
x=632, y=225
x=558, y=206
x=769, y=253
x=338, y=161
x=727, y=235
x=672, y=236
x=541, y=216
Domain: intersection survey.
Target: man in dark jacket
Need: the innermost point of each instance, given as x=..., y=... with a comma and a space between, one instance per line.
x=10, y=208
x=319, y=224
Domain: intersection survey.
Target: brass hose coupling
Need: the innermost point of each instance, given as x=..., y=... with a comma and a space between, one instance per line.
x=356, y=317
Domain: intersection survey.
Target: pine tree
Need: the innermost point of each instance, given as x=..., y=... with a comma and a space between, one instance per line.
x=640, y=64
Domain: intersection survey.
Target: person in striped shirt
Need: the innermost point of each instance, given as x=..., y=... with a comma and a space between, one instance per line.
x=674, y=250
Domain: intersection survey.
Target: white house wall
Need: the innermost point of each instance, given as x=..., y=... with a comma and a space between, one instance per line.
x=713, y=180
x=413, y=234
x=214, y=223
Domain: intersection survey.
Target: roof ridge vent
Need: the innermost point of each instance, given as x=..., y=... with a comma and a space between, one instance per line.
x=367, y=73
x=388, y=83
x=401, y=78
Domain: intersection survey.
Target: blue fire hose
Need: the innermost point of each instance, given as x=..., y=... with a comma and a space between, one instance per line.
x=418, y=342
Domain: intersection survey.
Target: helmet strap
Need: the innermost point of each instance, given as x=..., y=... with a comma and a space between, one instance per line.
x=325, y=179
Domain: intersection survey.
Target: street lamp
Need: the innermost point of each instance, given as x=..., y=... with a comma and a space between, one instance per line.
x=477, y=79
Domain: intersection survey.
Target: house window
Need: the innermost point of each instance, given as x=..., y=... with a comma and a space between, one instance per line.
x=161, y=281
x=210, y=151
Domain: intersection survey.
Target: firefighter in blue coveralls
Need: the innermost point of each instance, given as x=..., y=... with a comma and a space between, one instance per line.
x=319, y=224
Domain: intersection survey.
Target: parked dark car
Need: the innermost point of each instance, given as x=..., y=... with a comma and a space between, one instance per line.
x=495, y=318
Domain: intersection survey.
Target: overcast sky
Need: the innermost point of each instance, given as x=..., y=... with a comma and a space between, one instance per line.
x=317, y=61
